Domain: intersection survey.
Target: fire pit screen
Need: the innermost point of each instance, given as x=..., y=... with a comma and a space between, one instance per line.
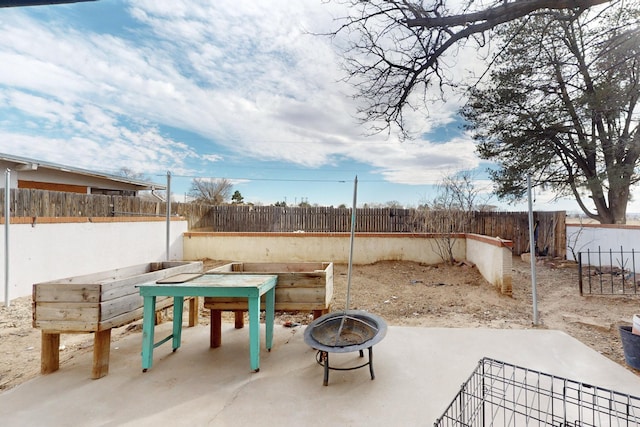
x=346, y=331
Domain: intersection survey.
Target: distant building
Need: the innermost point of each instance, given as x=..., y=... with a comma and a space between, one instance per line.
x=36, y=174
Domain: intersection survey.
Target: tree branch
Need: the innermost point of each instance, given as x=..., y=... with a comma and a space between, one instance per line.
x=503, y=13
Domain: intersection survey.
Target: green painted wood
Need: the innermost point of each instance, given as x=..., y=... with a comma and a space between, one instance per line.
x=251, y=287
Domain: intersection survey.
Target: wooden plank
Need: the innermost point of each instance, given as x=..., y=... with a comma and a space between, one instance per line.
x=180, y=278
x=119, y=306
x=108, y=285
x=193, y=311
x=281, y=267
x=95, y=278
x=215, y=332
x=312, y=295
x=298, y=280
x=49, y=352
x=289, y=306
x=101, y=349
x=126, y=286
x=328, y=291
x=238, y=319
x=124, y=272
x=60, y=326
x=133, y=315
x=67, y=312
x=65, y=292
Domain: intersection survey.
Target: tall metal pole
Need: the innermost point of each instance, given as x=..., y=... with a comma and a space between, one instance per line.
x=532, y=252
x=168, y=214
x=353, y=232
x=7, y=221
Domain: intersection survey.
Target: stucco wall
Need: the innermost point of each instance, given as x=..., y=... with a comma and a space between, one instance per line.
x=53, y=248
x=289, y=247
x=492, y=256
x=581, y=237
x=609, y=240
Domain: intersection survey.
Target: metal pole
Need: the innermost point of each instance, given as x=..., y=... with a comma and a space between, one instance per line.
x=168, y=213
x=532, y=251
x=353, y=230
x=7, y=220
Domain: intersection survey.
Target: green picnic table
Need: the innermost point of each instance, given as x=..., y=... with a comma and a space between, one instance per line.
x=248, y=286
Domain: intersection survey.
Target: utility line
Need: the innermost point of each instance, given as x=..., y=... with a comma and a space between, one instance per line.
x=341, y=181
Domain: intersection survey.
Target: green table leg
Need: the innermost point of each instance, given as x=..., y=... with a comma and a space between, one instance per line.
x=254, y=332
x=178, y=306
x=269, y=316
x=148, y=325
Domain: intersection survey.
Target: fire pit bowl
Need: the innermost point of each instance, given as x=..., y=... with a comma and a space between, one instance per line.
x=344, y=332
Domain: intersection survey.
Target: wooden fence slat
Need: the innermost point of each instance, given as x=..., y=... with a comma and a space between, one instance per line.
x=244, y=218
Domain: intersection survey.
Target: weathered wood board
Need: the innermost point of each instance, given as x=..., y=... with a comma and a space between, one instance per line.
x=301, y=286
x=97, y=303
x=97, y=298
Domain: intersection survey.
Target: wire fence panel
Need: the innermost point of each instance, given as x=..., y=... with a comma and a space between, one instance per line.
x=501, y=394
x=608, y=272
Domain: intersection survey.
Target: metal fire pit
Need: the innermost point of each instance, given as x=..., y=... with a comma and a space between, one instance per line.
x=344, y=332
x=347, y=330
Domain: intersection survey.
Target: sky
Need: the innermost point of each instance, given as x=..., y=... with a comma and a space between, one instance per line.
x=242, y=90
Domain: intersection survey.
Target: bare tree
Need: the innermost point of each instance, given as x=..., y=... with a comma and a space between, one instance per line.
x=573, y=239
x=397, y=47
x=450, y=213
x=210, y=191
x=130, y=173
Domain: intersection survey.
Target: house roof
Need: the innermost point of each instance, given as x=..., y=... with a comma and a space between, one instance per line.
x=28, y=164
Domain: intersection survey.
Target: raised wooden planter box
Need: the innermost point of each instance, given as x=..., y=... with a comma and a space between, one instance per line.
x=97, y=303
x=301, y=286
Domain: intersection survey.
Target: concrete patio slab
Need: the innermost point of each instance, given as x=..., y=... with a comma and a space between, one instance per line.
x=418, y=372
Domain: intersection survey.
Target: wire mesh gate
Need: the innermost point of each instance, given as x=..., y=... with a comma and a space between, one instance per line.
x=501, y=394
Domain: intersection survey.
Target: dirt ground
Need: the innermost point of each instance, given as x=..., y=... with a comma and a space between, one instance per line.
x=402, y=293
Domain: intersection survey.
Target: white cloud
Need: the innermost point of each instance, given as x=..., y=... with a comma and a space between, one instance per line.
x=245, y=75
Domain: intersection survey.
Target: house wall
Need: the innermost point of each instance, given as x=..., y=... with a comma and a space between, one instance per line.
x=491, y=255
x=52, y=248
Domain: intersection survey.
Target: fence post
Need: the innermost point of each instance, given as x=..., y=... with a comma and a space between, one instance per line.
x=532, y=251
x=168, y=235
x=580, y=272
x=7, y=222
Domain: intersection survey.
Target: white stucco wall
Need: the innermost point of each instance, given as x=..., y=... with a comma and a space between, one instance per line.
x=47, y=251
x=492, y=256
x=334, y=247
x=604, y=238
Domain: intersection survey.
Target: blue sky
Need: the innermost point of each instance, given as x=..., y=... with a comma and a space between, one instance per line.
x=226, y=89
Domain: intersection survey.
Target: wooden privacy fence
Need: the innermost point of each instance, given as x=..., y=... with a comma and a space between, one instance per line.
x=233, y=218
x=512, y=226
x=42, y=203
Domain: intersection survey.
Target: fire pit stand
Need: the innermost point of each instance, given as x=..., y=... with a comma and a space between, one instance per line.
x=358, y=330
x=348, y=330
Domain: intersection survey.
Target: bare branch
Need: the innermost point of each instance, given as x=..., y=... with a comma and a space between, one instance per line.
x=501, y=14
x=396, y=49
